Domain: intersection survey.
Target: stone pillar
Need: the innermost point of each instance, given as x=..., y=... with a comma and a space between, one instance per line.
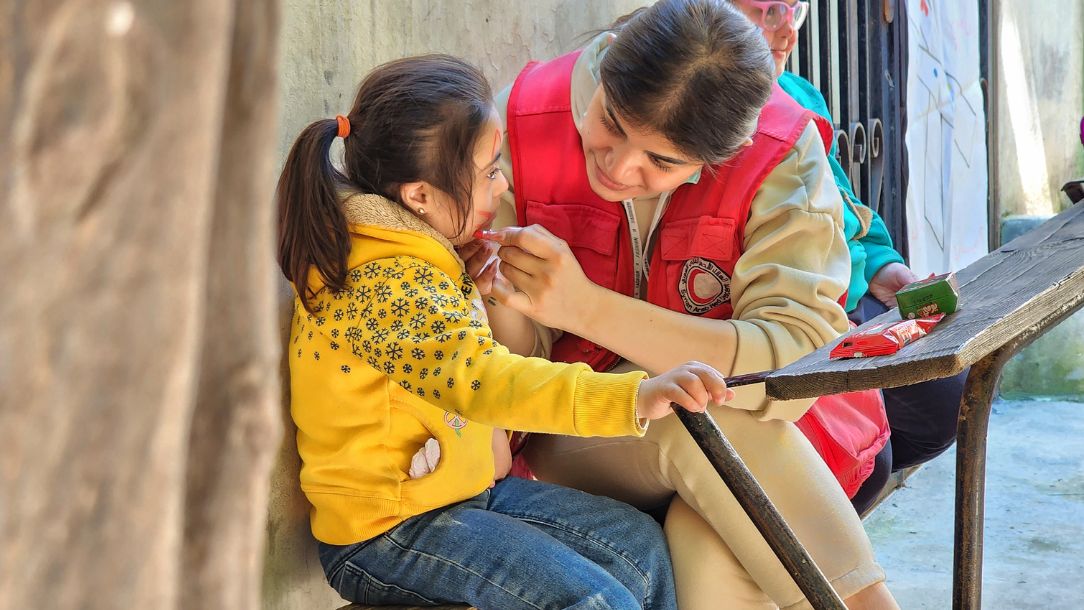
x=137, y=336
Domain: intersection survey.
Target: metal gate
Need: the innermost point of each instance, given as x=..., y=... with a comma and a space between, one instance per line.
x=855, y=53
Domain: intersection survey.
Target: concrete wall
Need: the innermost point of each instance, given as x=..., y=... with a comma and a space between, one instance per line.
x=1041, y=100
x=326, y=48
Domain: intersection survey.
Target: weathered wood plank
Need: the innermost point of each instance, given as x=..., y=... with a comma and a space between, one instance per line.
x=1011, y=294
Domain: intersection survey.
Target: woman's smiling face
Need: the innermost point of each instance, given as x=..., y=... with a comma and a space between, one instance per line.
x=625, y=161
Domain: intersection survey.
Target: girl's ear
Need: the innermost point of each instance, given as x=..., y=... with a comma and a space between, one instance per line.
x=416, y=196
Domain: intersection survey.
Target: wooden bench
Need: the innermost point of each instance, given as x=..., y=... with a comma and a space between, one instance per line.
x=1008, y=298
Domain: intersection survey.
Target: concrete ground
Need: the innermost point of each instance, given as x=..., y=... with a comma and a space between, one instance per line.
x=1034, y=540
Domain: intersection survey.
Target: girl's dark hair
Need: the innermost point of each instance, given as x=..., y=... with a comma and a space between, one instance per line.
x=413, y=119
x=696, y=71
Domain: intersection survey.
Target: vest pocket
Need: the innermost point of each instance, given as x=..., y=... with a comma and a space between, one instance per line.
x=698, y=258
x=590, y=232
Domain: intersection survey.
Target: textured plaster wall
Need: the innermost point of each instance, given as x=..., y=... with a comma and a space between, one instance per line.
x=1041, y=100
x=326, y=48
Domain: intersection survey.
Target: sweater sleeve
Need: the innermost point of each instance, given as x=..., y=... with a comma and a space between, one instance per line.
x=424, y=330
x=794, y=268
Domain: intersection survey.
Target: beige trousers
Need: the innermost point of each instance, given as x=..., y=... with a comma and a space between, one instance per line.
x=720, y=559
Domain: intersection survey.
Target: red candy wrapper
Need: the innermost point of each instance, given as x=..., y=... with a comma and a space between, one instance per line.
x=884, y=338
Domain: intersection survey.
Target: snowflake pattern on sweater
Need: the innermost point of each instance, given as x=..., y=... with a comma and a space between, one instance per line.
x=409, y=321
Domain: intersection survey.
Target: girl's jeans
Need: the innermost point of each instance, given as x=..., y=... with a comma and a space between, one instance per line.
x=521, y=544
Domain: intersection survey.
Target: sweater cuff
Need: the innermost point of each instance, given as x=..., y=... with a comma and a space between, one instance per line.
x=599, y=400
x=877, y=256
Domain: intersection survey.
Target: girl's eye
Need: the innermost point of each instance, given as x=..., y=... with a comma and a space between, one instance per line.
x=493, y=173
x=609, y=126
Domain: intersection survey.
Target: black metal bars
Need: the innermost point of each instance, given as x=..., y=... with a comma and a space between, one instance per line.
x=855, y=53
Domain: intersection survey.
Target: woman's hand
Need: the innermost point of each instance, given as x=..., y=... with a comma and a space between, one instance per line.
x=546, y=281
x=887, y=282
x=692, y=385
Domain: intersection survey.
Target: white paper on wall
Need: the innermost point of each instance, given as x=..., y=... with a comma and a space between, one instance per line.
x=946, y=137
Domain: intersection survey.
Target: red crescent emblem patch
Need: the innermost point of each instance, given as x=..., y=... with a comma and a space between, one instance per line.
x=703, y=285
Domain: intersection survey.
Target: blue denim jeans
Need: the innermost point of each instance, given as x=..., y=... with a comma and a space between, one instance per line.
x=521, y=544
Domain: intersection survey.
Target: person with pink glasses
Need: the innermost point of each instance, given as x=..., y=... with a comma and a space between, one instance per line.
x=922, y=417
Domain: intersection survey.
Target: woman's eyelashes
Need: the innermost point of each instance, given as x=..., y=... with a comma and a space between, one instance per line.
x=657, y=162
x=610, y=127
x=660, y=164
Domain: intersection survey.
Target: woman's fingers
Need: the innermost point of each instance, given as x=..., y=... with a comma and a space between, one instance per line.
x=520, y=279
x=521, y=259
x=506, y=294
x=534, y=239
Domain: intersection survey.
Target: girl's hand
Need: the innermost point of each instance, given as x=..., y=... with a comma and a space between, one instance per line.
x=480, y=258
x=889, y=280
x=692, y=385
x=546, y=281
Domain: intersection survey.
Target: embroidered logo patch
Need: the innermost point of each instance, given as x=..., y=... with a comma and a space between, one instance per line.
x=703, y=285
x=455, y=422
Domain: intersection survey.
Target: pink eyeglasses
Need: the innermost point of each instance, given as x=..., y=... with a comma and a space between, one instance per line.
x=775, y=13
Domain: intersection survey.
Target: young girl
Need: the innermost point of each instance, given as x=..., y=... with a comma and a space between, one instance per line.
x=390, y=350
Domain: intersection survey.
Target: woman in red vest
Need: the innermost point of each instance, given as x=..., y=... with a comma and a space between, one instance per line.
x=681, y=206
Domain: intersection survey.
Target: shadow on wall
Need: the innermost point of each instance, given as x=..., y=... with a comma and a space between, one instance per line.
x=292, y=576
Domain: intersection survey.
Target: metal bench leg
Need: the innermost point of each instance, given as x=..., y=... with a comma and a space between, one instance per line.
x=760, y=509
x=971, y=478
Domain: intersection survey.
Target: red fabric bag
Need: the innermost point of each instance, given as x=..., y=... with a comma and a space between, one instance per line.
x=848, y=431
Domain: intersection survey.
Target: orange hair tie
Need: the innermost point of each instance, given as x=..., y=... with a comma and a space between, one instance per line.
x=344, y=125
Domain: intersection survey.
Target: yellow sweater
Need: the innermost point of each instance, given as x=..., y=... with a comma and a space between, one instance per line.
x=405, y=354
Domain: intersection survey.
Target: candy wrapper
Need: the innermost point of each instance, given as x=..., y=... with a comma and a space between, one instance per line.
x=884, y=339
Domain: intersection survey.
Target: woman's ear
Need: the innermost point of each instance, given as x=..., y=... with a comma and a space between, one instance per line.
x=416, y=196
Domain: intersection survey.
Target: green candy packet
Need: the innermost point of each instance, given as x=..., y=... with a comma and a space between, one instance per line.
x=934, y=295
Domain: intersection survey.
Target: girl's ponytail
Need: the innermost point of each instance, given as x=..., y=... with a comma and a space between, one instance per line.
x=413, y=119
x=312, y=227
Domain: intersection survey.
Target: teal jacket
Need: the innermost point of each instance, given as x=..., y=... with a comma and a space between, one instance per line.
x=869, y=252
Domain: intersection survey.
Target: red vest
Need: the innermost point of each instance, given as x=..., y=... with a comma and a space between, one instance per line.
x=700, y=234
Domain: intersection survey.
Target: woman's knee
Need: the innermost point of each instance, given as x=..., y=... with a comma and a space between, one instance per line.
x=706, y=572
